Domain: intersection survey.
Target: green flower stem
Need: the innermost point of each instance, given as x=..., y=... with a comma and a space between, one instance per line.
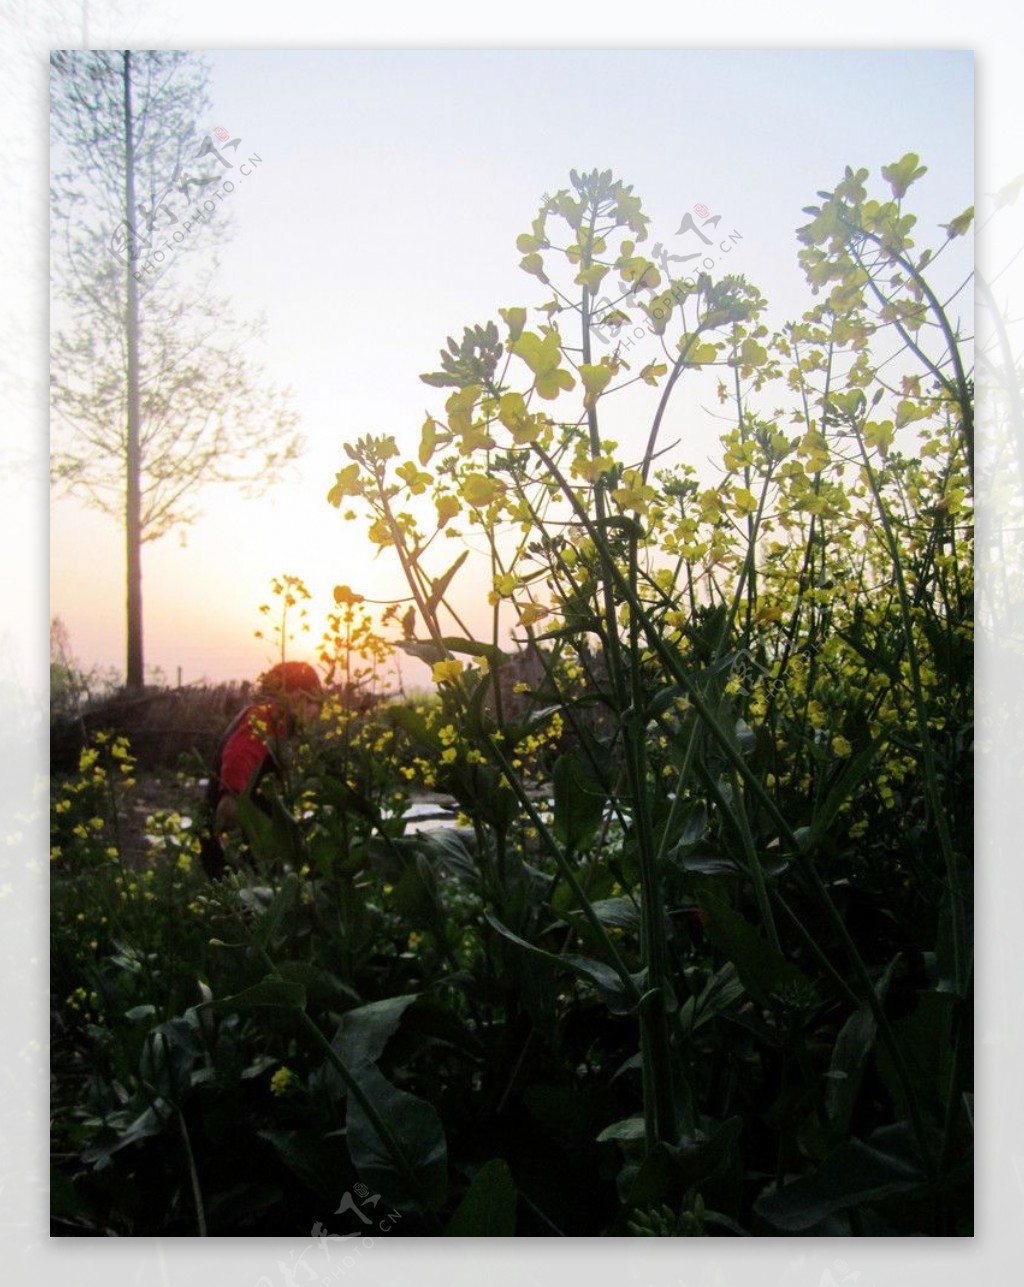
x=960, y=387
x=660, y=1121
x=197, y=1193
x=675, y=667
x=659, y=1087
x=565, y=867
x=931, y=783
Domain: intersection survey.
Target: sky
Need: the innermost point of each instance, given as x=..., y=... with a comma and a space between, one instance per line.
x=380, y=215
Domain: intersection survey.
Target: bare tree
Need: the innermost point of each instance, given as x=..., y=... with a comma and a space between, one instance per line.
x=153, y=393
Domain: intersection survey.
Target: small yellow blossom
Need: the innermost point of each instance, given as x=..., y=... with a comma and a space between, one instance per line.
x=282, y=1081
x=447, y=672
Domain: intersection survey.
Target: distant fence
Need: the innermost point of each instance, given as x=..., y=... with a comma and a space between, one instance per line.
x=162, y=724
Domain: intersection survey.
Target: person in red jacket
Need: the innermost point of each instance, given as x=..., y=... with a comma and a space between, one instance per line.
x=251, y=748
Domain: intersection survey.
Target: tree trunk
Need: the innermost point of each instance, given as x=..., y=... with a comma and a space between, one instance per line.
x=134, y=671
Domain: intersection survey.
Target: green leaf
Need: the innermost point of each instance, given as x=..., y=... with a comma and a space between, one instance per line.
x=669, y=1170
x=579, y=802
x=272, y=992
x=858, y=1172
x=309, y=1155
x=924, y=1037
x=849, y=780
x=718, y=994
x=488, y=1209
x=282, y=904
x=626, y=1131
x=450, y=851
x=850, y=1054
x=364, y=1032
x=621, y=913
x=476, y=648
x=611, y=988
x=763, y=971
x=152, y=1121
x=439, y=587
x=416, y=1127
x=423, y=650
x=66, y=1202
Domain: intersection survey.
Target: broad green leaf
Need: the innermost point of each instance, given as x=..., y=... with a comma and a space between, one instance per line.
x=425, y=650
x=859, y=1171
x=475, y=648
x=272, y=992
x=626, y=1131
x=439, y=587
x=67, y=1202
x=842, y=789
x=849, y=1055
x=764, y=972
x=450, y=850
x=152, y=1121
x=415, y=1127
x=925, y=1039
x=719, y=993
x=364, y=1032
x=488, y=1208
x=669, y=1170
x=621, y=913
x=603, y=977
x=283, y=902
x=579, y=802
x=319, y=1162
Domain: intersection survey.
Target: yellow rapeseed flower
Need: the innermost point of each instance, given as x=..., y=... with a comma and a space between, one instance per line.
x=282, y=1081
x=447, y=672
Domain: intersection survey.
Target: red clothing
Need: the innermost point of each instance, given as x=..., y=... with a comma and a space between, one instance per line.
x=246, y=749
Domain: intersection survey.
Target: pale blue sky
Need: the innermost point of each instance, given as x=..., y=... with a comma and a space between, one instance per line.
x=382, y=216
